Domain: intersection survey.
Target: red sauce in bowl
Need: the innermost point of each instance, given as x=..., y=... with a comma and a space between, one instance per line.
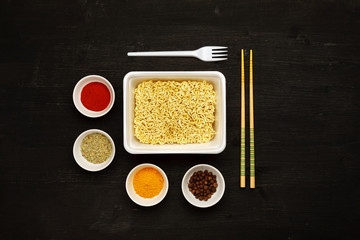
x=95, y=96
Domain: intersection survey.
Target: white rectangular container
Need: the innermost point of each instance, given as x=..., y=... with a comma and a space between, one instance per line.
x=134, y=146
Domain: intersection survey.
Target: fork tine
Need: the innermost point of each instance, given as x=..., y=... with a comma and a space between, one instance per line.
x=218, y=59
x=217, y=56
x=219, y=49
x=222, y=52
x=215, y=47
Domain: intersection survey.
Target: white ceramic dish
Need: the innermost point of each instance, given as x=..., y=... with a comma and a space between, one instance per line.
x=134, y=146
x=77, y=96
x=82, y=161
x=214, y=198
x=145, y=202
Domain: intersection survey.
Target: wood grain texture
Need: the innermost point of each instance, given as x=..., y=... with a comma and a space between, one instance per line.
x=306, y=97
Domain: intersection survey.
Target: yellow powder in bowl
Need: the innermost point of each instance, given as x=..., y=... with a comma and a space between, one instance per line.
x=148, y=182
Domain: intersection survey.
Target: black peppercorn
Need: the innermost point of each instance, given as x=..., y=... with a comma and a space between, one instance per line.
x=203, y=185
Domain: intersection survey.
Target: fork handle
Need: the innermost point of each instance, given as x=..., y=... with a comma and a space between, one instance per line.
x=162, y=54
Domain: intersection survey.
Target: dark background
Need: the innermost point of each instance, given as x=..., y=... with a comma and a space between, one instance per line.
x=307, y=95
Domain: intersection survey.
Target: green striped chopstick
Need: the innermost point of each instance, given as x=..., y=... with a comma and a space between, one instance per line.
x=251, y=104
x=242, y=141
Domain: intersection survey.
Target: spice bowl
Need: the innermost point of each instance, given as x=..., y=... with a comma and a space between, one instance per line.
x=145, y=202
x=78, y=92
x=215, y=198
x=80, y=159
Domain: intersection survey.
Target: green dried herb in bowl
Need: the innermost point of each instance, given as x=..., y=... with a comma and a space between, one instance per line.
x=96, y=148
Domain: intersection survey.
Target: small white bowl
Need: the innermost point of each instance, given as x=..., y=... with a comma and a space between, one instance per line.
x=189, y=196
x=85, y=164
x=145, y=202
x=77, y=96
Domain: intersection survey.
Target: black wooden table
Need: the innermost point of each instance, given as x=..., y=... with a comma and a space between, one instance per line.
x=307, y=102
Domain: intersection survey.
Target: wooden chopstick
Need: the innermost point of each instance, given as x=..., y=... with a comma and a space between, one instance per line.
x=251, y=104
x=242, y=136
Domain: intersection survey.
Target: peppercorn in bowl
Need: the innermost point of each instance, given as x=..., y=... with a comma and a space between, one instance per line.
x=203, y=186
x=147, y=185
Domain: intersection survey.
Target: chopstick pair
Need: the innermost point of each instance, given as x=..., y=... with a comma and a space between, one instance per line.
x=251, y=118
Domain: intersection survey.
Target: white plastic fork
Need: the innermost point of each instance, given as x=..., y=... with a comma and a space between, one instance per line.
x=207, y=54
